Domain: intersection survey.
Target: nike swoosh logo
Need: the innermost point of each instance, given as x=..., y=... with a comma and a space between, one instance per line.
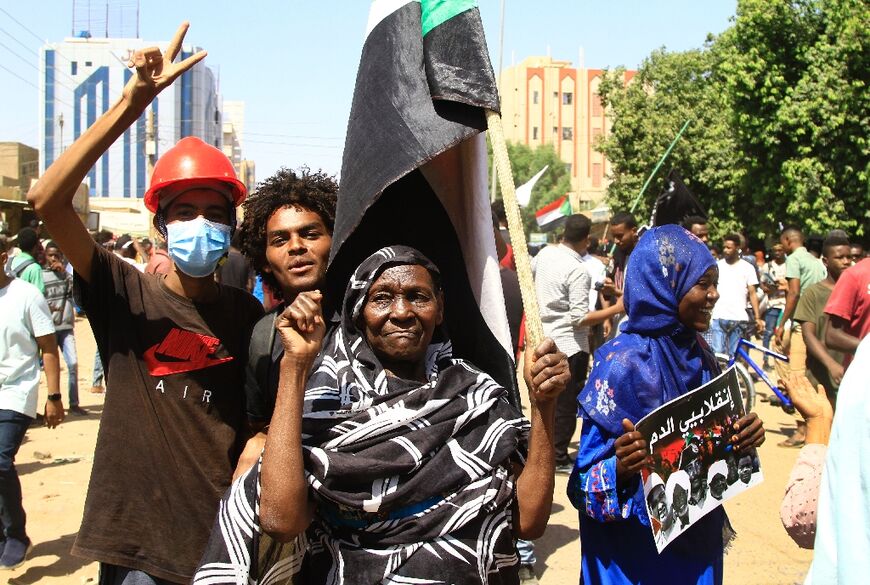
x=160, y=367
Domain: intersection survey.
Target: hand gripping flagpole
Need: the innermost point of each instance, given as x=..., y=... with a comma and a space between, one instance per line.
x=534, y=328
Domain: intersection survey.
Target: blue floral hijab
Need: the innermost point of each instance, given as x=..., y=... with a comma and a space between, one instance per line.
x=656, y=358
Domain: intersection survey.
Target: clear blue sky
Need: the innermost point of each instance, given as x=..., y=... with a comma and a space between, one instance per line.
x=294, y=63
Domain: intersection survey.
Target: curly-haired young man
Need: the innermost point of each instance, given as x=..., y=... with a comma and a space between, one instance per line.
x=287, y=230
x=286, y=235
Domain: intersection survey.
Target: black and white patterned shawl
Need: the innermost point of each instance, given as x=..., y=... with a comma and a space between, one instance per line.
x=413, y=482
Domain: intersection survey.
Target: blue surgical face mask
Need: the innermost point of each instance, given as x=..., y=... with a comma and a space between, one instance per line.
x=196, y=246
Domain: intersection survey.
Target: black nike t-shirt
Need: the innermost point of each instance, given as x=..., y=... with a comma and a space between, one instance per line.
x=175, y=402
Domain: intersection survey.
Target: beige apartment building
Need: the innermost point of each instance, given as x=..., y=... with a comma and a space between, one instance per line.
x=19, y=164
x=233, y=138
x=545, y=101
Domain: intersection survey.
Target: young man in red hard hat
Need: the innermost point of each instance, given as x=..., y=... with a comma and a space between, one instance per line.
x=174, y=346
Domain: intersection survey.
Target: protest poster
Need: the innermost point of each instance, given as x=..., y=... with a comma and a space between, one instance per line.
x=694, y=468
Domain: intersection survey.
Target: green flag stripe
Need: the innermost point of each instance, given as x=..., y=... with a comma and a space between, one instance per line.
x=436, y=12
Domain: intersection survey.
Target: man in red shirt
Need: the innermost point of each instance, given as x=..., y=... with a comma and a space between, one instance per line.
x=849, y=310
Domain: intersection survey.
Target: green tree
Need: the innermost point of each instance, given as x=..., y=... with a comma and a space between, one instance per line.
x=796, y=75
x=525, y=163
x=669, y=89
x=778, y=110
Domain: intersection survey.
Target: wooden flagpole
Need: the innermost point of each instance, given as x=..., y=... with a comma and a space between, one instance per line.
x=534, y=328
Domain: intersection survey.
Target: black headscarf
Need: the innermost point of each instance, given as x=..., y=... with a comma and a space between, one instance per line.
x=411, y=479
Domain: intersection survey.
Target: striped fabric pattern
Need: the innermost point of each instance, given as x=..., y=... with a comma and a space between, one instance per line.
x=413, y=481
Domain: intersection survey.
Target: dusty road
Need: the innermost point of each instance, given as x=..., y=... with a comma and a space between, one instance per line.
x=55, y=466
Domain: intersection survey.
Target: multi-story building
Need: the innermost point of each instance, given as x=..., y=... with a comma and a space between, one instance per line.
x=248, y=174
x=19, y=164
x=81, y=77
x=232, y=145
x=545, y=101
x=234, y=130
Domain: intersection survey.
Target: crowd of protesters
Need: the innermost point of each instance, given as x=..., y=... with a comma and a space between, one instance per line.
x=274, y=421
x=810, y=305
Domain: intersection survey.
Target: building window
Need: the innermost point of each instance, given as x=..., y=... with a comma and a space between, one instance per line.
x=555, y=131
x=567, y=98
x=534, y=132
x=596, y=133
x=535, y=97
x=568, y=167
x=88, y=63
x=73, y=67
x=567, y=133
x=596, y=175
x=597, y=110
x=555, y=95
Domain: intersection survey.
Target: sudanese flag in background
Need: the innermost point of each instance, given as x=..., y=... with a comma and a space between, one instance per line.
x=414, y=170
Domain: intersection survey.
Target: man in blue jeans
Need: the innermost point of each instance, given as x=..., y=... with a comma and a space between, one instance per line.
x=737, y=282
x=58, y=295
x=26, y=329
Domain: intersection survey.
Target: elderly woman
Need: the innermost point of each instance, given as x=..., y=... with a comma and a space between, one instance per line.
x=387, y=460
x=671, y=289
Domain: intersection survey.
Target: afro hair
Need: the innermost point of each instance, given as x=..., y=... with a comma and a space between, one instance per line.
x=287, y=188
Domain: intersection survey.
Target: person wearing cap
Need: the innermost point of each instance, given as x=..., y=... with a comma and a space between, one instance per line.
x=174, y=346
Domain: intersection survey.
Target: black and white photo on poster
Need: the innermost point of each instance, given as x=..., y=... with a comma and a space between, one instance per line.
x=694, y=467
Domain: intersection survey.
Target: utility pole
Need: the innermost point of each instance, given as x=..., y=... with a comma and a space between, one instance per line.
x=150, y=156
x=150, y=143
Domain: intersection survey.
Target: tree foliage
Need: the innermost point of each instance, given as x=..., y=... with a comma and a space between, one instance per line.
x=779, y=112
x=796, y=74
x=669, y=89
x=525, y=163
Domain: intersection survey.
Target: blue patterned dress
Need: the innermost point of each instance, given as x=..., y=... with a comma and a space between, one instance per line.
x=654, y=360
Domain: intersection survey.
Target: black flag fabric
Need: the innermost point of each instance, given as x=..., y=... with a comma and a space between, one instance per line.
x=414, y=170
x=676, y=203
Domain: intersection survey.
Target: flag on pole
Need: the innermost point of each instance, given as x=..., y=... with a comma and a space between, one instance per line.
x=675, y=203
x=524, y=191
x=414, y=169
x=553, y=214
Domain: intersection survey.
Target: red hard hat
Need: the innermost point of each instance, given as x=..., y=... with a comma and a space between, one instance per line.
x=192, y=160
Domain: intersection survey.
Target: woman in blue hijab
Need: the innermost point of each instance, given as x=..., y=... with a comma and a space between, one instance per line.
x=670, y=292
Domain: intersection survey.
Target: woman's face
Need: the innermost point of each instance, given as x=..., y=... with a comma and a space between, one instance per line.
x=401, y=313
x=696, y=306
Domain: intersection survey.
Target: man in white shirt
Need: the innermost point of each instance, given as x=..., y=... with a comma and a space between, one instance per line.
x=737, y=282
x=563, y=284
x=26, y=328
x=598, y=275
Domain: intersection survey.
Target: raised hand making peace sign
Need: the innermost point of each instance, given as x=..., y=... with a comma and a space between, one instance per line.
x=155, y=70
